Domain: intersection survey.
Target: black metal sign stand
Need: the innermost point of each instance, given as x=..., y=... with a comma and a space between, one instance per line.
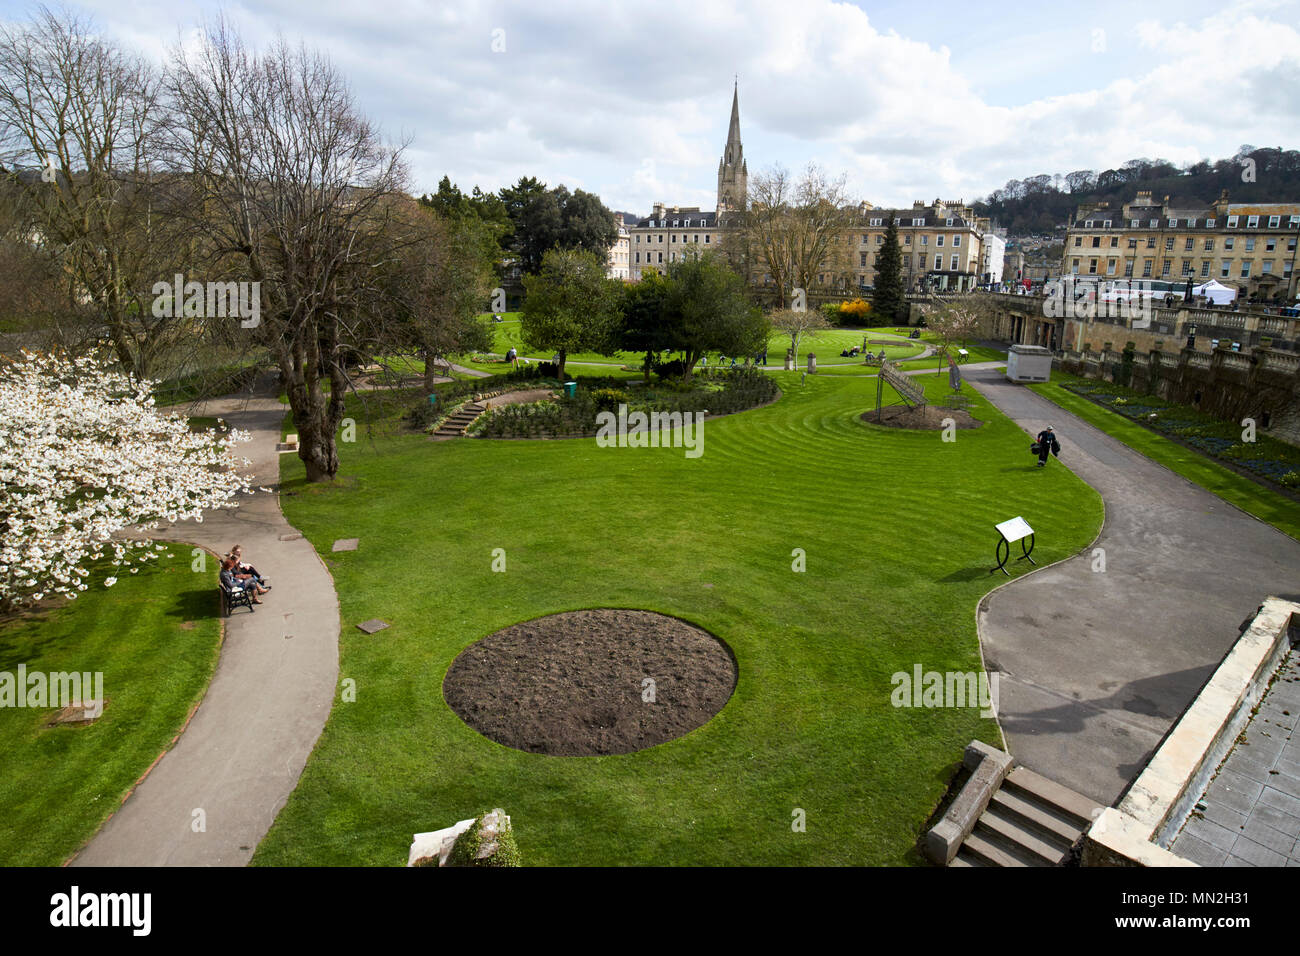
x=1017, y=529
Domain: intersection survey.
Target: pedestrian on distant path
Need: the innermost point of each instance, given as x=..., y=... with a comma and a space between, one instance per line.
x=1047, y=443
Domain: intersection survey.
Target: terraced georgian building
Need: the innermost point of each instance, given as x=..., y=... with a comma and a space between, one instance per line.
x=1250, y=246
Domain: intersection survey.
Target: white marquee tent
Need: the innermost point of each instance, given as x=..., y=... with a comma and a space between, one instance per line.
x=1216, y=292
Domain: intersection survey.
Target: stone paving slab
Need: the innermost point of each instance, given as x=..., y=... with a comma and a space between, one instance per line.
x=1251, y=808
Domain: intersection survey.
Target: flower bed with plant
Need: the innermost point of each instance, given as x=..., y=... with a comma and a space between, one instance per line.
x=721, y=393
x=1265, y=458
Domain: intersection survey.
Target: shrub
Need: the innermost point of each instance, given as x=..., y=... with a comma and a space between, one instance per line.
x=608, y=399
x=670, y=370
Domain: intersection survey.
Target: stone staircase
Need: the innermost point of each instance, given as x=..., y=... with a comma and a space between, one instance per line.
x=1029, y=821
x=458, y=421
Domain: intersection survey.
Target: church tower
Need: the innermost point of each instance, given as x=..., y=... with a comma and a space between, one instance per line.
x=733, y=173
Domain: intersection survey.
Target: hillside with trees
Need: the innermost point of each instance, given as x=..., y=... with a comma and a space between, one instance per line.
x=1039, y=204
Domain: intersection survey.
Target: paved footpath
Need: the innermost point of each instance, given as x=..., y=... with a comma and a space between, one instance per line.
x=243, y=751
x=1096, y=667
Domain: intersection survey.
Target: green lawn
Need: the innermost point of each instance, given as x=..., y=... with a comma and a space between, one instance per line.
x=826, y=346
x=154, y=636
x=898, y=533
x=1251, y=497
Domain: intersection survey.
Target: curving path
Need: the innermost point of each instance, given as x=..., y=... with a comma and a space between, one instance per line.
x=242, y=753
x=1096, y=667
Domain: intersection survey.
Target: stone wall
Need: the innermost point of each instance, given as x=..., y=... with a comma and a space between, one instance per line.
x=1263, y=385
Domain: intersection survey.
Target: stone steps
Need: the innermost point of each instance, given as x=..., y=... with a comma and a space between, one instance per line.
x=455, y=425
x=1029, y=821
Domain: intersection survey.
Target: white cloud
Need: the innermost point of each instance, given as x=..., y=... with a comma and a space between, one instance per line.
x=587, y=92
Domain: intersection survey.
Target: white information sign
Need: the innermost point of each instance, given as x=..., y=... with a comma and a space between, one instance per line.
x=1015, y=529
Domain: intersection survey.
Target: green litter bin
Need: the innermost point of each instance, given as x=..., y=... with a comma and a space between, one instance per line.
x=570, y=389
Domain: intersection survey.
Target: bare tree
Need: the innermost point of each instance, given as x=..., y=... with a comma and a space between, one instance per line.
x=952, y=324
x=798, y=324
x=793, y=232
x=78, y=120
x=294, y=190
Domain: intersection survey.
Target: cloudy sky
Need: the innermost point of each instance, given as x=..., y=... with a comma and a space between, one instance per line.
x=911, y=100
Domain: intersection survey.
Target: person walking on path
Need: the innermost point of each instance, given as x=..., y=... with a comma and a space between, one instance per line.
x=1047, y=443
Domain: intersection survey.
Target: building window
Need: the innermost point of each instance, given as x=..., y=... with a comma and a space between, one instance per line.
x=1205, y=269
x=1092, y=267
x=862, y=259
x=1209, y=224
x=1225, y=268
x=638, y=257
x=706, y=238
x=879, y=239
x=1232, y=222
x=1209, y=245
x=1078, y=240
x=1132, y=243
x=956, y=241
x=1169, y=244
x=1134, y=223
x=1114, y=242
x=938, y=263
x=1252, y=222
x=1173, y=223
x=1146, y=268
x=1274, y=221
x=661, y=257
x=1266, y=267
x=1087, y=224
x=1250, y=243
x=1270, y=244
x=1096, y=241
x=1110, y=267
x=1187, y=267
x=925, y=240
x=954, y=262
x=938, y=240
x=1155, y=223
x=1105, y=224
x=907, y=240
x=1228, y=243
x=877, y=222
x=1245, y=268
x=918, y=222
x=1128, y=268
x=948, y=221
x=1187, y=245
x=1151, y=242
x=1164, y=268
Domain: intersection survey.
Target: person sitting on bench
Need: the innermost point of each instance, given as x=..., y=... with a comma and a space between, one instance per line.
x=234, y=582
x=241, y=568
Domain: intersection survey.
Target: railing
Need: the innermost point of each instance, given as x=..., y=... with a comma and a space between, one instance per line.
x=1233, y=360
x=1198, y=360
x=1279, y=361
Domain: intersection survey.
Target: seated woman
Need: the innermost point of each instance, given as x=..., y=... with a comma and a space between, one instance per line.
x=247, y=569
x=232, y=579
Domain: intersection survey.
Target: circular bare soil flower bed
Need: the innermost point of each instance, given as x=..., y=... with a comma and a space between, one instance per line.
x=576, y=684
x=925, y=418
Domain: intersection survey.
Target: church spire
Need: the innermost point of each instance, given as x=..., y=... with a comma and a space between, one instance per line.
x=733, y=172
x=733, y=131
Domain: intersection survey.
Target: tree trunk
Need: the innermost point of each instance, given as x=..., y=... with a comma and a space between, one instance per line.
x=559, y=372
x=430, y=372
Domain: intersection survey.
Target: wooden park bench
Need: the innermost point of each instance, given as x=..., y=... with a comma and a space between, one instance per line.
x=232, y=598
